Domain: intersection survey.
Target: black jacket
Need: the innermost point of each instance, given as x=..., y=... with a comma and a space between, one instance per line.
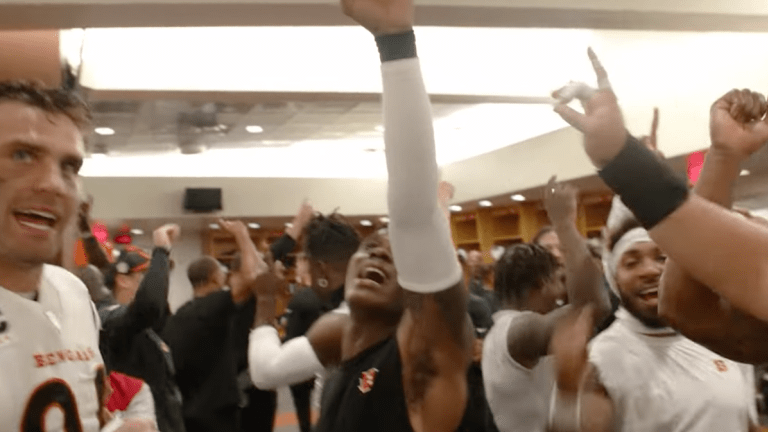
x=130, y=342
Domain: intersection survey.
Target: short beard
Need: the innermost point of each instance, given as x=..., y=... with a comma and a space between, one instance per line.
x=655, y=322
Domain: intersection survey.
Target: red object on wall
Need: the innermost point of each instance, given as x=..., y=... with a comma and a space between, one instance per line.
x=123, y=235
x=695, y=163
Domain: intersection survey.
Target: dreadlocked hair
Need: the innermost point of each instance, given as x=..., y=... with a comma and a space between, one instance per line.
x=330, y=238
x=51, y=100
x=522, y=268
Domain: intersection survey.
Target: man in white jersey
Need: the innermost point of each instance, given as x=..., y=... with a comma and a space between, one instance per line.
x=49, y=355
x=518, y=374
x=641, y=375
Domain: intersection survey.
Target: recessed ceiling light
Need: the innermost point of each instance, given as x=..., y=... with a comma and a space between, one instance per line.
x=214, y=226
x=104, y=131
x=254, y=225
x=366, y=223
x=518, y=197
x=137, y=232
x=745, y=172
x=254, y=129
x=384, y=219
x=455, y=208
x=485, y=203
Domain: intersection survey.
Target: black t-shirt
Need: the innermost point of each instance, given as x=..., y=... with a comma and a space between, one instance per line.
x=199, y=335
x=367, y=394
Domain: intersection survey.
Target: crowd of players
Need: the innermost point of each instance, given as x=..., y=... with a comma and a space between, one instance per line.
x=657, y=329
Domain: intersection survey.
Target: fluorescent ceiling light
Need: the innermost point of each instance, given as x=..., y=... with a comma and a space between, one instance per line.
x=366, y=223
x=518, y=198
x=137, y=232
x=485, y=203
x=214, y=226
x=138, y=59
x=745, y=172
x=254, y=225
x=455, y=208
x=384, y=219
x=105, y=131
x=288, y=225
x=254, y=129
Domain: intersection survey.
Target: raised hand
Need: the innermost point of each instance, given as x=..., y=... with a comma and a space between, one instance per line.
x=737, y=123
x=445, y=192
x=235, y=227
x=84, y=215
x=381, y=17
x=650, y=140
x=302, y=218
x=602, y=122
x=166, y=235
x=268, y=282
x=560, y=202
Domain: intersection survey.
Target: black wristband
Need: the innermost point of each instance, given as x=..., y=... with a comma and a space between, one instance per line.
x=646, y=184
x=396, y=46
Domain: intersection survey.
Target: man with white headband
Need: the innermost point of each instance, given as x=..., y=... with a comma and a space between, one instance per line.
x=639, y=374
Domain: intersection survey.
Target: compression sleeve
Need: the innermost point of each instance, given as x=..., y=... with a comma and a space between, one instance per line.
x=418, y=229
x=273, y=365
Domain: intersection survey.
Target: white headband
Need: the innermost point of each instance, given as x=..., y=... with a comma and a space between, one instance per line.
x=612, y=258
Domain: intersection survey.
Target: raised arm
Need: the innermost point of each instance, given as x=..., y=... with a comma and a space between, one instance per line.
x=529, y=335
x=150, y=303
x=715, y=246
x=432, y=334
x=287, y=242
x=689, y=306
x=93, y=251
x=273, y=364
x=251, y=264
x=584, y=280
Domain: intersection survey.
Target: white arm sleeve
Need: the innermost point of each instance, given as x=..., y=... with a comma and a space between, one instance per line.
x=418, y=229
x=272, y=364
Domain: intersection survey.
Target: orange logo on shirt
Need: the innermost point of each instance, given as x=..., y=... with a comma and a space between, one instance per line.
x=366, y=380
x=721, y=366
x=54, y=357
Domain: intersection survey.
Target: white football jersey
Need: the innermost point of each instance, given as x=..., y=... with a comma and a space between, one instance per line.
x=670, y=383
x=49, y=357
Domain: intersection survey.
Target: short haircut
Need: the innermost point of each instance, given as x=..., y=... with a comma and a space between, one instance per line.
x=201, y=270
x=50, y=100
x=330, y=239
x=541, y=233
x=522, y=268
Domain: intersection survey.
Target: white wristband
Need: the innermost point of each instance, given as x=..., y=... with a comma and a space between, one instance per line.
x=565, y=411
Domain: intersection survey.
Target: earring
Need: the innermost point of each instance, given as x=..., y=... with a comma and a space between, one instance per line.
x=322, y=282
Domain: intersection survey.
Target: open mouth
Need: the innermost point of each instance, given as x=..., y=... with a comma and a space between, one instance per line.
x=374, y=274
x=649, y=294
x=36, y=219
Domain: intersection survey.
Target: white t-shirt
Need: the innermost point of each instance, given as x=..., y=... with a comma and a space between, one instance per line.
x=518, y=396
x=49, y=355
x=669, y=383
